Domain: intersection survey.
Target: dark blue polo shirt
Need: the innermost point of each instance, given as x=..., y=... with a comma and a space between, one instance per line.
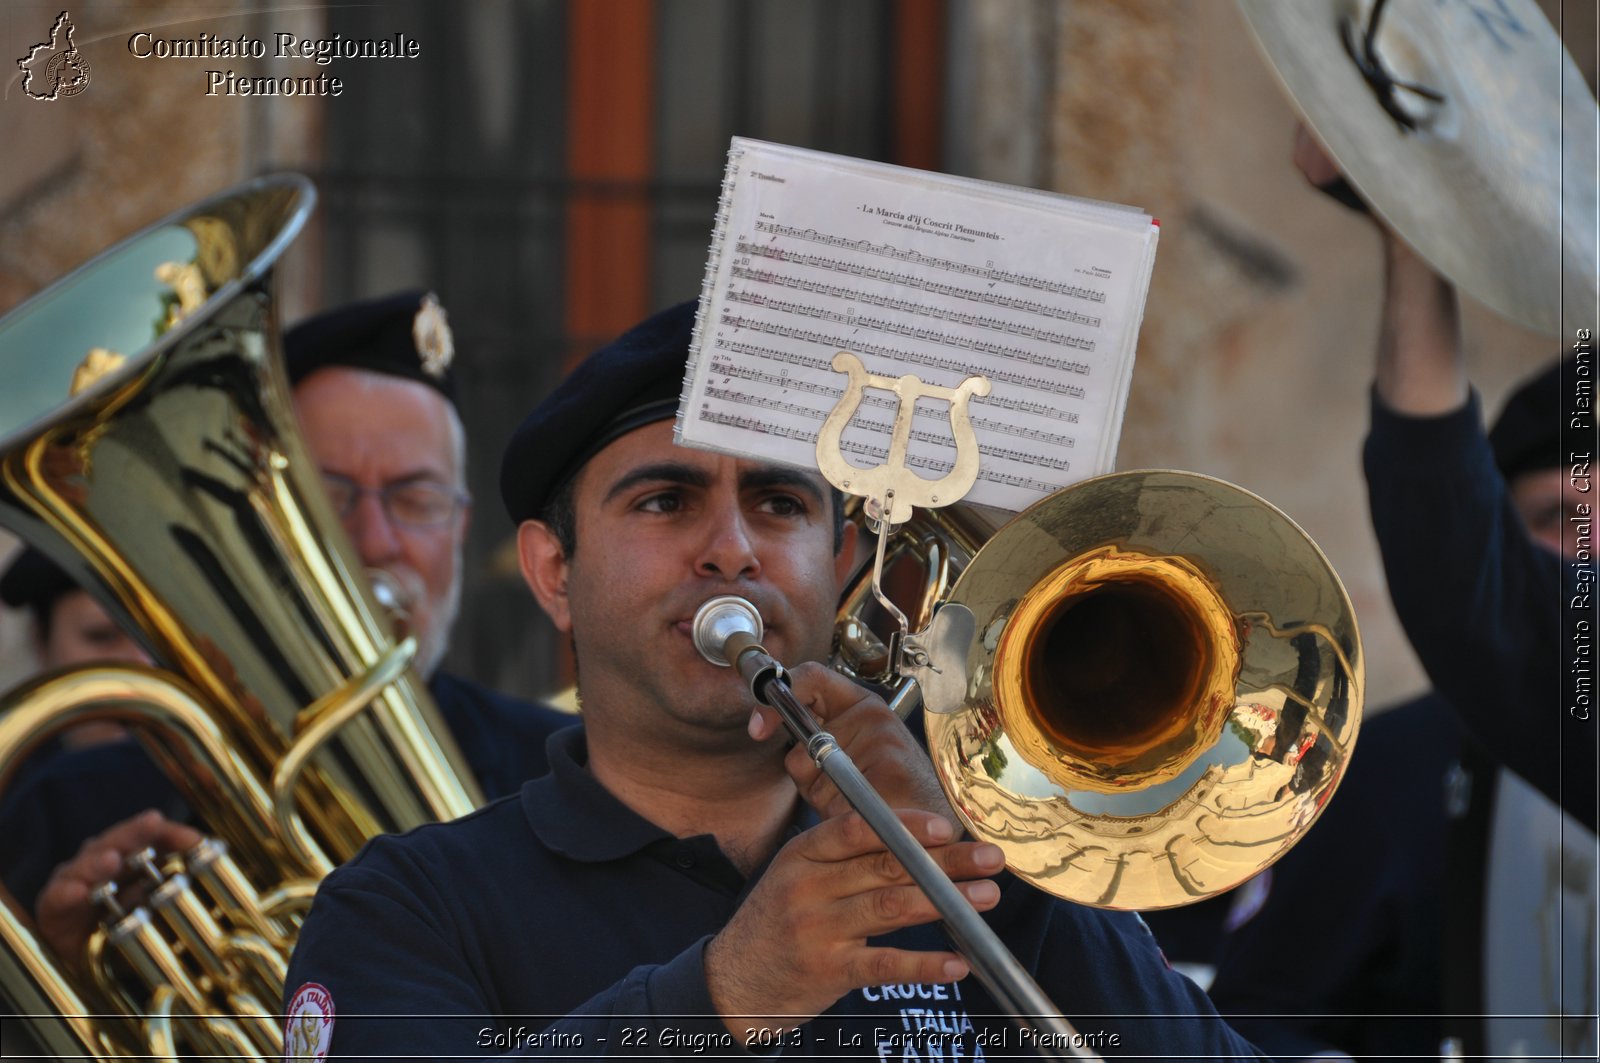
x=560, y=922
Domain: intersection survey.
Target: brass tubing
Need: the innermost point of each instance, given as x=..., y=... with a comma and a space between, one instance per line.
x=50, y=1005
x=261, y=965
x=147, y=698
x=319, y=722
x=183, y=913
x=208, y=861
x=257, y=1023
x=158, y=1030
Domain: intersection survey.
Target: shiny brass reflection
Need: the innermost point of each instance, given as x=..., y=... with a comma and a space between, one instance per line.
x=1165, y=690
x=98, y=363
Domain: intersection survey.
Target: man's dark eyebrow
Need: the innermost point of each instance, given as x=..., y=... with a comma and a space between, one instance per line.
x=769, y=476
x=673, y=472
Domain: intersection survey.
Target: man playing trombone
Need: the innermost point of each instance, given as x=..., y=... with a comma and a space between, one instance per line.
x=681, y=881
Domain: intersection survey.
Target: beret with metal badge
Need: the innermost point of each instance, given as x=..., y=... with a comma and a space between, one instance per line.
x=406, y=335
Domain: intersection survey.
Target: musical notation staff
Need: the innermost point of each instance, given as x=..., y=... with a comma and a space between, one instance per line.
x=765, y=402
x=1026, y=483
x=936, y=435
x=912, y=307
x=921, y=332
x=831, y=392
x=1038, y=409
x=988, y=273
x=915, y=282
x=800, y=359
x=870, y=452
x=755, y=424
x=986, y=424
x=954, y=365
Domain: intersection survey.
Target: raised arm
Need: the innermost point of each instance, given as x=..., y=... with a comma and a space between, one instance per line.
x=1480, y=599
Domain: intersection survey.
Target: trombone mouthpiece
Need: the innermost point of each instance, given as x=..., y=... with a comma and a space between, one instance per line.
x=718, y=620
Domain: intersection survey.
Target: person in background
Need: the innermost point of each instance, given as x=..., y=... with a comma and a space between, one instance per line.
x=375, y=397
x=67, y=627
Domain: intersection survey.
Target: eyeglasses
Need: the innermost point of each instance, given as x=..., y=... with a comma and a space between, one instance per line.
x=411, y=504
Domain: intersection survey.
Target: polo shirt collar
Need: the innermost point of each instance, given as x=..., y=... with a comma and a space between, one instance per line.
x=571, y=813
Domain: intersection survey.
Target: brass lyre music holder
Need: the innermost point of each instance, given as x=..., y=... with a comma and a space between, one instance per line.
x=934, y=657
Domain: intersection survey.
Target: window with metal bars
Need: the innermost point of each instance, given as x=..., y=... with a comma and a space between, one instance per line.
x=551, y=169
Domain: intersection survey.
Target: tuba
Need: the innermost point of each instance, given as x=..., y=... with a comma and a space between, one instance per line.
x=1162, y=691
x=149, y=447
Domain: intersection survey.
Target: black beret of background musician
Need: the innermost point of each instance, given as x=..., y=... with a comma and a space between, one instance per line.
x=688, y=876
x=35, y=583
x=373, y=392
x=405, y=335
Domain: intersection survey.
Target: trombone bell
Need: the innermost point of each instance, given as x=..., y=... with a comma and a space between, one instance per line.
x=1080, y=683
x=1164, y=690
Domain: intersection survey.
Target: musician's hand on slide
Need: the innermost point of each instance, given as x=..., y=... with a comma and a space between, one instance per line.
x=799, y=941
x=64, y=912
x=873, y=736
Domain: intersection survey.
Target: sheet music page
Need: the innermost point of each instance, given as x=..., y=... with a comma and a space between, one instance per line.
x=916, y=273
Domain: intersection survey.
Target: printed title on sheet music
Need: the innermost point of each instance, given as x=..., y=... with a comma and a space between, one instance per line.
x=936, y=225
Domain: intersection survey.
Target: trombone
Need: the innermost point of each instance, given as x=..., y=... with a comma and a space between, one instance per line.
x=1143, y=689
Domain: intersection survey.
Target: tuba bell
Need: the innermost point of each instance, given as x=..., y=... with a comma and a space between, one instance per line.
x=148, y=446
x=1163, y=691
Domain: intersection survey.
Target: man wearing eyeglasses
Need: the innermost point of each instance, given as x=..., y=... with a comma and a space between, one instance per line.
x=375, y=399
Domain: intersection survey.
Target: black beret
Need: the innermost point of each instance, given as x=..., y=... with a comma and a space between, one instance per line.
x=404, y=335
x=33, y=581
x=630, y=382
x=1527, y=435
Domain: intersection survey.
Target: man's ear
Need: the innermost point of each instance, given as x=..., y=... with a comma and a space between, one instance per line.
x=544, y=569
x=844, y=560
